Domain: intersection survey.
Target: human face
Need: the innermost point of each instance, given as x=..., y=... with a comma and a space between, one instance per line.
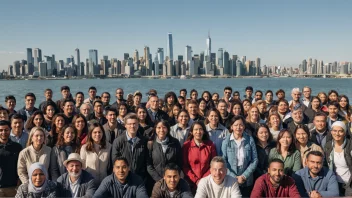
x=80, y=124
x=79, y=99
x=286, y=139
x=276, y=172
x=236, y=96
x=254, y=114
x=192, y=109
x=38, y=178
x=175, y=110
x=154, y=103
x=297, y=116
x=92, y=93
x=183, y=118
x=218, y=172
x=213, y=118
x=296, y=95
x=4, y=115
x=30, y=101
x=17, y=125
x=269, y=97
x=48, y=95
x=306, y=92
x=262, y=107
x=333, y=111
x=38, y=120
x=274, y=121
x=202, y=105
x=38, y=138
x=320, y=123
x=122, y=111
x=249, y=93
x=59, y=122
x=142, y=114
x=222, y=108
x=68, y=108
x=111, y=117
x=301, y=136
x=194, y=95
x=198, y=132
x=98, y=108
x=11, y=104
x=69, y=135
x=170, y=100
x=161, y=131
x=65, y=93
x=282, y=108
x=315, y=104
x=4, y=133
x=215, y=97
x=314, y=164
x=85, y=109
x=106, y=98
x=171, y=177
x=206, y=97
x=258, y=96
x=121, y=170
x=333, y=97
x=236, y=110
x=338, y=134
x=119, y=94
x=181, y=101
x=238, y=127
x=343, y=103
x=137, y=100
x=246, y=106
x=263, y=134
x=227, y=93
x=161, y=104
x=183, y=94
x=280, y=95
x=97, y=135
x=132, y=126
x=50, y=111
x=74, y=168
x=322, y=98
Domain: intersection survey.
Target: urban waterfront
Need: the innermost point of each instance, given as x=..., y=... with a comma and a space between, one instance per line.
x=19, y=88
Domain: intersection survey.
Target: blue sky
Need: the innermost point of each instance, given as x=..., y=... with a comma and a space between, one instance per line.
x=279, y=32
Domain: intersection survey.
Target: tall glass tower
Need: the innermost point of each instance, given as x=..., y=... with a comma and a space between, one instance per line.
x=170, y=51
x=93, y=61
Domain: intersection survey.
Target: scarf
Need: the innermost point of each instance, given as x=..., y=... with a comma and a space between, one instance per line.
x=31, y=187
x=164, y=143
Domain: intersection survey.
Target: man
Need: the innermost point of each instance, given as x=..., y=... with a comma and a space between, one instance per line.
x=258, y=95
x=66, y=94
x=182, y=101
x=68, y=107
x=306, y=96
x=85, y=110
x=18, y=135
x=29, y=108
x=122, y=182
x=154, y=112
x=192, y=108
x=4, y=114
x=223, y=185
x=236, y=96
x=132, y=146
x=227, y=94
x=183, y=93
x=296, y=95
x=172, y=185
x=314, y=180
x=79, y=98
x=9, y=152
x=48, y=93
x=112, y=128
x=280, y=94
x=76, y=182
x=10, y=101
x=297, y=117
x=320, y=133
x=269, y=99
x=249, y=92
x=105, y=98
x=98, y=113
x=92, y=92
x=275, y=183
x=119, y=98
x=225, y=115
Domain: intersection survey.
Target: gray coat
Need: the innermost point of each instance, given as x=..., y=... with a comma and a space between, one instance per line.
x=86, y=189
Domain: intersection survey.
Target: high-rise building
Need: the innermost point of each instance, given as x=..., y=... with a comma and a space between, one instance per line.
x=226, y=63
x=135, y=56
x=78, y=58
x=180, y=58
x=160, y=55
x=16, y=68
x=257, y=67
x=10, y=70
x=188, y=54
x=208, y=51
x=239, y=67
x=49, y=65
x=220, y=58
x=170, y=50
x=148, y=61
x=37, y=57
x=126, y=56
x=93, y=62
x=42, y=69
x=201, y=59
x=244, y=59
x=30, y=61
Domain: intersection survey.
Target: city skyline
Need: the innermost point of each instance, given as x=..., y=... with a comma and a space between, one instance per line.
x=279, y=33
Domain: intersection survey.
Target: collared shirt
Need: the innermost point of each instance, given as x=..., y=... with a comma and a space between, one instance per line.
x=179, y=133
x=74, y=186
x=240, y=148
x=152, y=114
x=306, y=101
x=22, y=140
x=217, y=135
x=131, y=140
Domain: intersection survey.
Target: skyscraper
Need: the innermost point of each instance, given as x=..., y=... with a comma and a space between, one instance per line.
x=37, y=53
x=30, y=61
x=188, y=54
x=226, y=63
x=170, y=51
x=148, y=61
x=257, y=66
x=135, y=56
x=78, y=58
x=208, y=51
x=16, y=68
x=93, y=62
x=161, y=55
x=220, y=58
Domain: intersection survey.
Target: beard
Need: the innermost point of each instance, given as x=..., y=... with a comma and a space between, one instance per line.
x=75, y=175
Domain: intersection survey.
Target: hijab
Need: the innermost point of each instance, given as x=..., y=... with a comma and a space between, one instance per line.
x=32, y=168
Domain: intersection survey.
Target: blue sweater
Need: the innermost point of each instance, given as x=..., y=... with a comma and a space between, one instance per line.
x=325, y=183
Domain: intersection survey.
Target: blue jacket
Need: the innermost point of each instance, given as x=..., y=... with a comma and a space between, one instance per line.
x=325, y=183
x=229, y=151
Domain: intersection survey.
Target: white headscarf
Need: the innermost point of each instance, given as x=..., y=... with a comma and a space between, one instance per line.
x=32, y=168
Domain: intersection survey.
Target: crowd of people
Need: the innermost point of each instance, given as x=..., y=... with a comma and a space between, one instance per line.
x=177, y=147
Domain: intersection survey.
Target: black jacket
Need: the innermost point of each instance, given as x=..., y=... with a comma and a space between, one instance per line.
x=157, y=159
x=137, y=158
x=23, y=113
x=160, y=115
x=263, y=159
x=327, y=135
x=8, y=163
x=160, y=190
x=86, y=185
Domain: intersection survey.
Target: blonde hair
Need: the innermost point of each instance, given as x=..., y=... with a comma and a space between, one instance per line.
x=34, y=129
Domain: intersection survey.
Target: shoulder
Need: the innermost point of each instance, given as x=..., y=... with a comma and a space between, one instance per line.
x=300, y=172
x=86, y=176
x=62, y=178
x=187, y=144
x=204, y=181
x=108, y=180
x=23, y=188
x=51, y=185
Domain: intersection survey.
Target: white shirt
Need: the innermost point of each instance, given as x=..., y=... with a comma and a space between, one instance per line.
x=74, y=187
x=240, y=150
x=343, y=173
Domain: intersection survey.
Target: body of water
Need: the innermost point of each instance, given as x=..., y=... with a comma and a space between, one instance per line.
x=19, y=88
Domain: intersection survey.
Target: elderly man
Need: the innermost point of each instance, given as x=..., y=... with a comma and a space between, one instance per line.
x=218, y=184
x=315, y=180
x=154, y=112
x=172, y=185
x=297, y=117
x=122, y=183
x=296, y=95
x=76, y=182
x=85, y=110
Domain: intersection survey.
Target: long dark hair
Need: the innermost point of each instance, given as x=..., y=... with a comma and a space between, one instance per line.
x=205, y=133
x=90, y=141
x=291, y=148
x=256, y=139
x=166, y=124
x=30, y=124
x=85, y=128
x=208, y=113
x=61, y=142
x=237, y=102
x=148, y=120
x=53, y=132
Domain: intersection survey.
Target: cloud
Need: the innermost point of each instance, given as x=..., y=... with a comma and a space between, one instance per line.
x=6, y=52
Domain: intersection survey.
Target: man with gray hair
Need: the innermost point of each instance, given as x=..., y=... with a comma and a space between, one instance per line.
x=297, y=117
x=296, y=95
x=218, y=184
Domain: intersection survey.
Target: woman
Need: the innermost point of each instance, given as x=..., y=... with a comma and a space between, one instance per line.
x=253, y=120
x=215, y=98
x=164, y=149
x=180, y=130
x=339, y=158
x=170, y=100
x=81, y=127
x=194, y=95
x=36, y=151
x=216, y=131
x=345, y=108
x=316, y=104
x=274, y=124
x=145, y=123
x=237, y=108
x=173, y=114
x=287, y=152
x=49, y=112
x=264, y=143
x=333, y=96
x=303, y=143
x=66, y=144
x=241, y=162
x=36, y=120
x=283, y=110
x=323, y=98
x=261, y=105
x=333, y=116
x=246, y=106
x=57, y=124
x=79, y=101
x=197, y=153
x=122, y=112
x=207, y=97
x=202, y=107
x=96, y=153
x=38, y=185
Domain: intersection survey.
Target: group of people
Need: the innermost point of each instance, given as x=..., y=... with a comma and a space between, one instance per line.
x=177, y=147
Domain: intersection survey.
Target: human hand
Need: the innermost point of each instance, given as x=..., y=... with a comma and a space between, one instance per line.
x=315, y=194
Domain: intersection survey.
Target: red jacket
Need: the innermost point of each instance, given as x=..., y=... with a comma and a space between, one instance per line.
x=196, y=160
x=264, y=188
